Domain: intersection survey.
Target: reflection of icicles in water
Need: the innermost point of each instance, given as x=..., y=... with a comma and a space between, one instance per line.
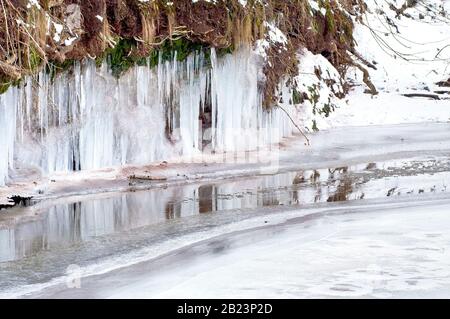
x=66, y=224
x=87, y=119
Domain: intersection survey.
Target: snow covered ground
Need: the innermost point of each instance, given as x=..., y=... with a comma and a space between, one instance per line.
x=411, y=55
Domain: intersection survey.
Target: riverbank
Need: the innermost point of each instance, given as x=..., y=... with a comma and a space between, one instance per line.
x=336, y=147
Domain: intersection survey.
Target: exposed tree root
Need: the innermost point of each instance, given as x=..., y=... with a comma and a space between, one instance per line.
x=427, y=95
x=366, y=79
x=362, y=59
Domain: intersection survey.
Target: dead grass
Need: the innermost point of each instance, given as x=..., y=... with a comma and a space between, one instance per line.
x=27, y=45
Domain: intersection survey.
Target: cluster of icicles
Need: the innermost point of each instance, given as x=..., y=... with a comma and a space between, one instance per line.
x=68, y=223
x=87, y=119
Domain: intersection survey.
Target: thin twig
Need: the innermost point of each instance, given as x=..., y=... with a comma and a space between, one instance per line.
x=295, y=124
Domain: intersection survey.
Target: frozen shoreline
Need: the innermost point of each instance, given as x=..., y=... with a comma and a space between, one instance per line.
x=409, y=160
x=347, y=145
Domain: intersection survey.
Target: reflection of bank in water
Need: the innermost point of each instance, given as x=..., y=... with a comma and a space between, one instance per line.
x=71, y=224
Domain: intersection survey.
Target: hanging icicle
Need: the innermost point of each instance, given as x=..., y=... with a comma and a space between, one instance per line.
x=87, y=119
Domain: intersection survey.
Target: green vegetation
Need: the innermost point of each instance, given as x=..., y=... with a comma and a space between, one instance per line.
x=329, y=17
x=313, y=96
x=34, y=59
x=314, y=126
x=4, y=86
x=121, y=57
x=126, y=54
x=327, y=108
x=297, y=97
x=55, y=68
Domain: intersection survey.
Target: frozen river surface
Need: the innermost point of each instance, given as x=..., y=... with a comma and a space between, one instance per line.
x=354, y=252
x=366, y=216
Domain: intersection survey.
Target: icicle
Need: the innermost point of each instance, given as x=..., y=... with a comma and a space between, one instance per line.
x=90, y=120
x=8, y=105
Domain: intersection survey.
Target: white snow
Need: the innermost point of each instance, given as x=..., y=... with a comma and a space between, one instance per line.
x=212, y=1
x=419, y=41
x=69, y=41
x=91, y=120
x=387, y=108
x=243, y=2
x=274, y=34
x=319, y=93
x=58, y=29
x=34, y=3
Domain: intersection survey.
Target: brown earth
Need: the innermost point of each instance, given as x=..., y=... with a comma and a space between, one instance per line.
x=99, y=24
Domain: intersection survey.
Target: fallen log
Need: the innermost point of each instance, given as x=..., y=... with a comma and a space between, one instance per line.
x=442, y=92
x=147, y=177
x=426, y=95
x=444, y=83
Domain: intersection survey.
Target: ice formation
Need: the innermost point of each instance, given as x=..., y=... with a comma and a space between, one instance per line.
x=87, y=119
